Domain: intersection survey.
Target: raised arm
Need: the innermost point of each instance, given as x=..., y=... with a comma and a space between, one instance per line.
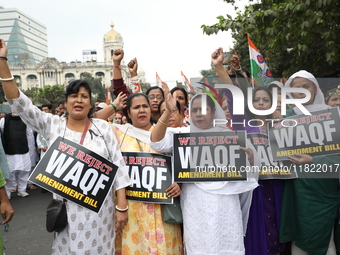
x=217, y=58
x=241, y=77
x=133, y=66
x=117, y=82
x=158, y=132
x=117, y=105
x=10, y=89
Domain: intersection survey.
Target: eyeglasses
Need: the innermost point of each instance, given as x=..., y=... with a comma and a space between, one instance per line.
x=153, y=97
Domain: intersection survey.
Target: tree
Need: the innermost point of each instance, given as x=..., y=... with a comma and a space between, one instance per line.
x=98, y=90
x=47, y=95
x=145, y=86
x=52, y=94
x=33, y=94
x=208, y=72
x=292, y=35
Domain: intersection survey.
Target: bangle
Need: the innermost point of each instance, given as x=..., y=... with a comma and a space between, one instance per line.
x=162, y=122
x=113, y=106
x=122, y=210
x=7, y=79
x=4, y=58
x=116, y=66
x=237, y=70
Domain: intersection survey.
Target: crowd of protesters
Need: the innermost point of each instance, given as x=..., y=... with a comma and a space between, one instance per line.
x=253, y=217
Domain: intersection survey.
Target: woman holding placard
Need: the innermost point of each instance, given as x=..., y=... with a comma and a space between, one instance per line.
x=146, y=232
x=213, y=212
x=262, y=236
x=310, y=206
x=87, y=232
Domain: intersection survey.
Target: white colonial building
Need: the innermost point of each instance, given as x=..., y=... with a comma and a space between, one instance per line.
x=51, y=72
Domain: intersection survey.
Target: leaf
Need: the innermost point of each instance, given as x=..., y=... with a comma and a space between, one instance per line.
x=326, y=35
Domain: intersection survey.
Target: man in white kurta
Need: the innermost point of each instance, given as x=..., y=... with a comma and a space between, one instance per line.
x=19, y=165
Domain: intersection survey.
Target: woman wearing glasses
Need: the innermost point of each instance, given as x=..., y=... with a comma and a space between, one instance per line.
x=155, y=95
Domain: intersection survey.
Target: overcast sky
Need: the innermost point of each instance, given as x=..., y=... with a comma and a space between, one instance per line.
x=164, y=35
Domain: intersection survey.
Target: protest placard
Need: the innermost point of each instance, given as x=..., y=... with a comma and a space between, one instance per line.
x=209, y=156
x=270, y=169
x=70, y=170
x=316, y=134
x=150, y=175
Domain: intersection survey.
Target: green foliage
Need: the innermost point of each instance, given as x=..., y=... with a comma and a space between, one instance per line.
x=145, y=86
x=47, y=95
x=98, y=90
x=309, y=29
x=209, y=72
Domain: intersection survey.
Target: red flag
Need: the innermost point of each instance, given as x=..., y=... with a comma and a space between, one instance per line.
x=108, y=96
x=159, y=82
x=186, y=82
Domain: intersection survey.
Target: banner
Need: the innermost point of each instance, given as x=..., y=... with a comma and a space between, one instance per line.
x=316, y=134
x=150, y=175
x=70, y=170
x=270, y=169
x=209, y=156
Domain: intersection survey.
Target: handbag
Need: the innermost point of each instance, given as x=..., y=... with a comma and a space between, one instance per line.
x=172, y=213
x=56, y=214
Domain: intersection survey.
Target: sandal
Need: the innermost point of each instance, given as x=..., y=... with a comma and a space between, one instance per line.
x=31, y=186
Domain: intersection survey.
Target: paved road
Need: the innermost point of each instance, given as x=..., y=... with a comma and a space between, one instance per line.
x=27, y=233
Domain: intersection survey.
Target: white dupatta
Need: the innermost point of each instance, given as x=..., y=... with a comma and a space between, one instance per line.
x=243, y=188
x=319, y=99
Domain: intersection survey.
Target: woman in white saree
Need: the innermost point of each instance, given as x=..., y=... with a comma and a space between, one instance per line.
x=214, y=213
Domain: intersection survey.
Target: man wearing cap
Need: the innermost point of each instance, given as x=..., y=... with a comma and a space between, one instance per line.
x=100, y=106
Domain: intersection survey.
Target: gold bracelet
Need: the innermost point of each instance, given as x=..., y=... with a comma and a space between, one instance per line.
x=162, y=122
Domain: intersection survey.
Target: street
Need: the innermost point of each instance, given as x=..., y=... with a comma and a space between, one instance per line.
x=27, y=233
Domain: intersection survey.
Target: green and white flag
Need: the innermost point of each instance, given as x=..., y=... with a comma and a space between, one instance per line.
x=260, y=73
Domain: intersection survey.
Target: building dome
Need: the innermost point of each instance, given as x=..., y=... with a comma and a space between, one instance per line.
x=112, y=34
x=141, y=71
